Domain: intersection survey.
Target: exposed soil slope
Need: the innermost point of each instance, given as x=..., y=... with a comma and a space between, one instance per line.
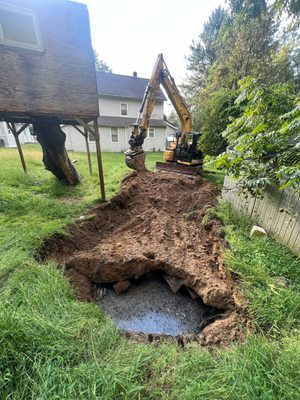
x=153, y=224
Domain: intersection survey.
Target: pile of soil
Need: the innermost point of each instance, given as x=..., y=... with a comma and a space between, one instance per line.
x=154, y=223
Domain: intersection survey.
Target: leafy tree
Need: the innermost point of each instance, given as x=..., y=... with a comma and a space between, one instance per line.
x=264, y=141
x=214, y=116
x=282, y=64
x=289, y=170
x=173, y=119
x=291, y=39
x=100, y=65
x=245, y=44
x=204, y=52
x=247, y=9
x=292, y=7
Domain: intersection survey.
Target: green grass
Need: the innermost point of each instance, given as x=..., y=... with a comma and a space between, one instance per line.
x=54, y=347
x=211, y=173
x=259, y=262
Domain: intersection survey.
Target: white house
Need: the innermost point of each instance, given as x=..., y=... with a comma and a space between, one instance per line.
x=120, y=99
x=7, y=138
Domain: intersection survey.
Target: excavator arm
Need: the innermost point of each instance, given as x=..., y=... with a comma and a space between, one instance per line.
x=172, y=91
x=135, y=156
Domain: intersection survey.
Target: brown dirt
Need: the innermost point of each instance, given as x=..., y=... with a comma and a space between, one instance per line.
x=154, y=223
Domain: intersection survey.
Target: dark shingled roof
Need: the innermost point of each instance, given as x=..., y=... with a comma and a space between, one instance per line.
x=123, y=121
x=123, y=85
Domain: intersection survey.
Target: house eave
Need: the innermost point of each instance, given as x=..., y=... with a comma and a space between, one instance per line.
x=120, y=96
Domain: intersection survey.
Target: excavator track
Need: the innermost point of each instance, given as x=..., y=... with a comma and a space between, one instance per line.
x=178, y=168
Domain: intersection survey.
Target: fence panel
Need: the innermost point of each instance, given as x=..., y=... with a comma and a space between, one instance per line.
x=278, y=212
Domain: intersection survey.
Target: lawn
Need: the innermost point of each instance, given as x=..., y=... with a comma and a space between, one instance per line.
x=54, y=347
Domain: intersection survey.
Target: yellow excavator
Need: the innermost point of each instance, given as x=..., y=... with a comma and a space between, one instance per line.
x=182, y=153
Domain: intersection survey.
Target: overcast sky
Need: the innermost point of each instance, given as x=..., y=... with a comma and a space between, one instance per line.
x=130, y=34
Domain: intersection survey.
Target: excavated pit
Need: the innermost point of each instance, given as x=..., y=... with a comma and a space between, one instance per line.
x=149, y=305
x=151, y=231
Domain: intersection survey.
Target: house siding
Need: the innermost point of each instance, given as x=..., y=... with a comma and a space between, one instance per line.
x=8, y=139
x=3, y=135
x=111, y=106
x=76, y=142
x=110, y=114
x=170, y=129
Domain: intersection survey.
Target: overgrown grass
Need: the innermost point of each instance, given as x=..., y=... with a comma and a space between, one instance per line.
x=269, y=273
x=211, y=173
x=54, y=347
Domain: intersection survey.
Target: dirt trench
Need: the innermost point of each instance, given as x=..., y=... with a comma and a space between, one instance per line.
x=154, y=223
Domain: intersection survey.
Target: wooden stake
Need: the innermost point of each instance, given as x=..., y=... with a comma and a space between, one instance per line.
x=99, y=158
x=16, y=136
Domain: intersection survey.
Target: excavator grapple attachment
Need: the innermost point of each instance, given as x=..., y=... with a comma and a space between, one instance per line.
x=136, y=161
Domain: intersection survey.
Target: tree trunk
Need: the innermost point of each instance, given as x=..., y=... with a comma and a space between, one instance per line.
x=55, y=156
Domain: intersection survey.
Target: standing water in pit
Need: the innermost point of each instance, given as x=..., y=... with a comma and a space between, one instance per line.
x=149, y=306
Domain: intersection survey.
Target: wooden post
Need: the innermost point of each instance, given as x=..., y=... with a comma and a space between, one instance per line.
x=16, y=136
x=99, y=158
x=86, y=136
x=98, y=150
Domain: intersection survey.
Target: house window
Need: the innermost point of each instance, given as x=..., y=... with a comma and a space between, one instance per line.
x=123, y=108
x=91, y=137
x=19, y=27
x=114, y=134
x=151, y=133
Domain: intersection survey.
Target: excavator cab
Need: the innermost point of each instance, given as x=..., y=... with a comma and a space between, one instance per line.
x=171, y=144
x=182, y=148
x=182, y=154
x=187, y=152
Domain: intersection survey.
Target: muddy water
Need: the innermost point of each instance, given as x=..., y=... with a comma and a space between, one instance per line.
x=149, y=306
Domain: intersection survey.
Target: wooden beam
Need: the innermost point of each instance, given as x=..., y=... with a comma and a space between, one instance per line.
x=99, y=158
x=79, y=130
x=85, y=134
x=22, y=128
x=85, y=125
x=16, y=136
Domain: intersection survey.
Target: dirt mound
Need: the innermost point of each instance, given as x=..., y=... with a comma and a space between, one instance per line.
x=153, y=224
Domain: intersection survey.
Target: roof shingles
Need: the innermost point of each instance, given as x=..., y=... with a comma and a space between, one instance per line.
x=124, y=86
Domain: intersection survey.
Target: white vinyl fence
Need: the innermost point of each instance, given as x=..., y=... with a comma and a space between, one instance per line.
x=278, y=212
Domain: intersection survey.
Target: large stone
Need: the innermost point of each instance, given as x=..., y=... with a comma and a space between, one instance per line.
x=281, y=281
x=174, y=283
x=121, y=287
x=257, y=231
